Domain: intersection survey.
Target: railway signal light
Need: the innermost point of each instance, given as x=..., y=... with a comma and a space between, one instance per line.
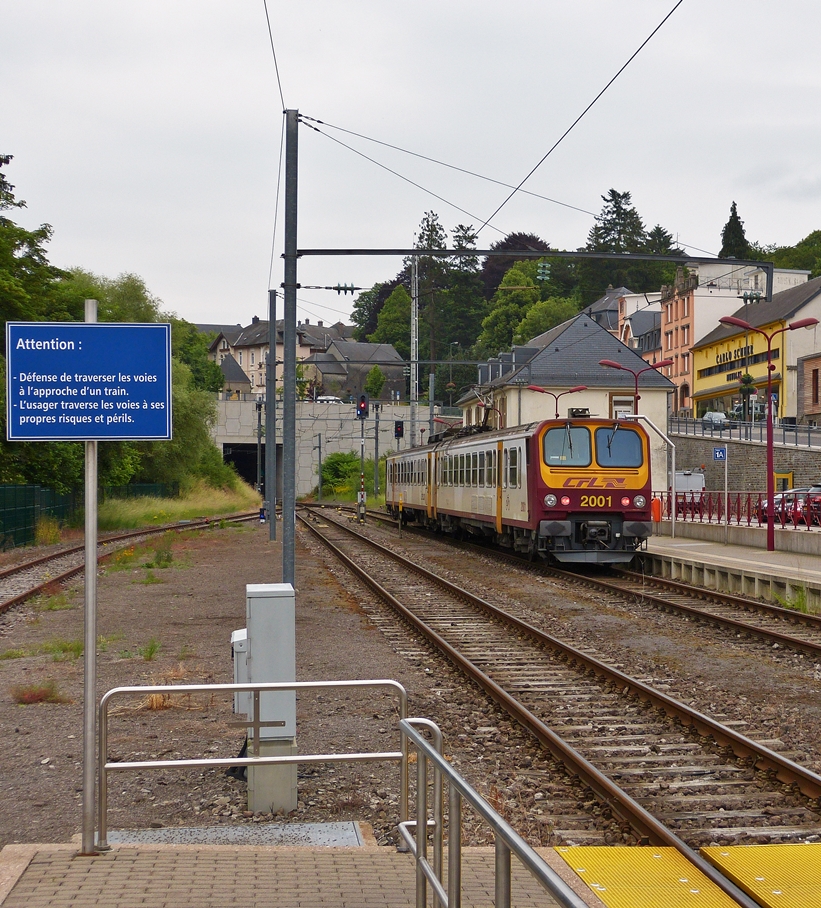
x=399, y=429
x=362, y=406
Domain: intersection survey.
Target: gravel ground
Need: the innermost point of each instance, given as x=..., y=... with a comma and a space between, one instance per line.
x=166, y=613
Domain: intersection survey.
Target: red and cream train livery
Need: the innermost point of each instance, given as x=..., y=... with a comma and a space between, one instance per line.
x=574, y=490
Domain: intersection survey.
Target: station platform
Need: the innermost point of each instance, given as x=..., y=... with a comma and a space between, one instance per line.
x=782, y=577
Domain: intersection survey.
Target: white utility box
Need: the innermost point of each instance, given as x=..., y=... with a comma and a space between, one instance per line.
x=270, y=613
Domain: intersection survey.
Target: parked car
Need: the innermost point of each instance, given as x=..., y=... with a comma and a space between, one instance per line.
x=716, y=419
x=791, y=505
x=813, y=503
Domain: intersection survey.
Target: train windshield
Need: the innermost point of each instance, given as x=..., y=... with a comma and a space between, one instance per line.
x=617, y=446
x=567, y=446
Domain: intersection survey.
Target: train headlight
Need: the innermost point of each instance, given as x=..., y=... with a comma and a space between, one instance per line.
x=550, y=501
x=640, y=501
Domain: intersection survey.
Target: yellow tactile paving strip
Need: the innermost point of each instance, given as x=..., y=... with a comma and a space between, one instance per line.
x=643, y=878
x=776, y=876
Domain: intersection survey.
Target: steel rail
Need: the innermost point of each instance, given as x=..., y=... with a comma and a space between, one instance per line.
x=101, y=557
x=647, y=827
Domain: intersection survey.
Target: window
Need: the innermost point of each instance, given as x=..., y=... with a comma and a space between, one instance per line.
x=240, y=357
x=617, y=446
x=815, y=386
x=461, y=469
x=514, y=468
x=252, y=358
x=567, y=446
x=490, y=461
x=474, y=472
x=481, y=469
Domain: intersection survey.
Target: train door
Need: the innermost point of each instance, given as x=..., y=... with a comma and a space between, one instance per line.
x=498, y=477
x=433, y=482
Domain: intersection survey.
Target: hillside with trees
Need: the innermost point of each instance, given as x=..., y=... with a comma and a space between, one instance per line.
x=470, y=309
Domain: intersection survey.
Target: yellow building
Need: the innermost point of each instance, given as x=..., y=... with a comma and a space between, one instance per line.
x=728, y=352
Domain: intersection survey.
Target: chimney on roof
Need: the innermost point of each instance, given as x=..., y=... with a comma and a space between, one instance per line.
x=320, y=323
x=255, y=320
x=307, y=321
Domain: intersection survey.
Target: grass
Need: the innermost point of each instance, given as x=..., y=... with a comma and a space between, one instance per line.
x=56, y=603
x=47, y=692
x=201, y=501
x=47, y=531
x=798, y=602
x=62, y=650
x=150, y=650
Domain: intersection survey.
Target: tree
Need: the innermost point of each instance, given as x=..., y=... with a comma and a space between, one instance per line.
x=510, y=305
x=495, y=267
x=190, y=346
x=374, y=382
x=366, y=309
x=394, y=323
x=542, y=316
x=805, y=255
x=26, y=278
x=734, y=243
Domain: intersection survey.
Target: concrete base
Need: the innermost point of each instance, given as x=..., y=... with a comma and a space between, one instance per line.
x=273, y=788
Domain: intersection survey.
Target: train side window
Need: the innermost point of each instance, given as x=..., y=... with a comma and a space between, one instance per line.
x=513, y=477
x=461, y=469
x=481, y=469
x=567, y=446
x=617, y=446
x=474, y=473
x=505, y=468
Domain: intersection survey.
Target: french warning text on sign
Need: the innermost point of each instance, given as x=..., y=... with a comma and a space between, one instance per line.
x=88, y=381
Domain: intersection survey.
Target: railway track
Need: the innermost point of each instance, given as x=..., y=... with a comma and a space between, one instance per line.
x=743, y=617
x=34, y=576
x=676, y=776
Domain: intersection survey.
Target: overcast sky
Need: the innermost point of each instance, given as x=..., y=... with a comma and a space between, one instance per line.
x=148, y=133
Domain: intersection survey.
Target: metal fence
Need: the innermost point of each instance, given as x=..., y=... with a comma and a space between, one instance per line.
x=784, y=433
x=741, y=509
x=22, y=507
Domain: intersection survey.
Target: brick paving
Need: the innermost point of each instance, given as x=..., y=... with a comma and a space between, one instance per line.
x=214, y=876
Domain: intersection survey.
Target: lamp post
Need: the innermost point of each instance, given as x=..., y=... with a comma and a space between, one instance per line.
x=740, y=323
x=451, y=386
x=612, y=364
x=556, y=396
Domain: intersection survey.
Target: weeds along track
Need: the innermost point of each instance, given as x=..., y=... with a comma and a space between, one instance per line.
x=673, y=774
x=34, y=576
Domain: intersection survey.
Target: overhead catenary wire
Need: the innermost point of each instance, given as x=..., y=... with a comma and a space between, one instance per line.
x=581, y=116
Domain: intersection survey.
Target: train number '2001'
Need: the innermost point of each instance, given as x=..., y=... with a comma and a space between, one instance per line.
x=596, y=501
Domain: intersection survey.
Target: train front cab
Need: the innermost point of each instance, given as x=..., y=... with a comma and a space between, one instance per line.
x=594, y=490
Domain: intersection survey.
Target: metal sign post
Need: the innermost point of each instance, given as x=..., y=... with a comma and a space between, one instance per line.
x=84, y=381
x=720, y=454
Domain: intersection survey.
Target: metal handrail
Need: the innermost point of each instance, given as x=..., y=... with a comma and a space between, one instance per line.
x=507, y=840
x=104, y=767
x=783, y=434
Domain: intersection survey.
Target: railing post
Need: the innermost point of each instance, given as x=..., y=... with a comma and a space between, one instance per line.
x=421, y=827
x=455, y=848
x=502, y=874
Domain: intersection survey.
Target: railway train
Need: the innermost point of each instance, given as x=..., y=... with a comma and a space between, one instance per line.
x=569, y=490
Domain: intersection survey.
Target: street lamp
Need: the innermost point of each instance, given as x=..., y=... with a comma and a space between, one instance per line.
x=612, y=364
x=556, y=396
x=740, y=323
